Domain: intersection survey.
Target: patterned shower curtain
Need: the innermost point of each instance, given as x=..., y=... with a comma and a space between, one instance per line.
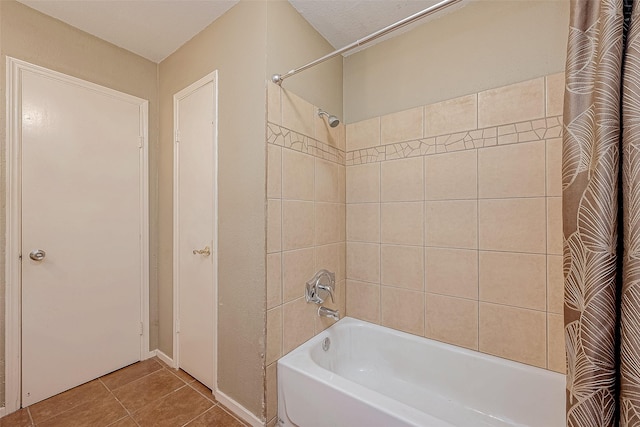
x=601, y=214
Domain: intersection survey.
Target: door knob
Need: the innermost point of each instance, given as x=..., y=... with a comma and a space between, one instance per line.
x=37, y=254
x=206, y=251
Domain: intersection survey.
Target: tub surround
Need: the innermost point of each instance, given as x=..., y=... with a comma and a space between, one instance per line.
x=454, y=221
x=305, y=223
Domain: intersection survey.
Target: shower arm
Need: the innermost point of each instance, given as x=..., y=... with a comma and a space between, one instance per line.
x=278, y=78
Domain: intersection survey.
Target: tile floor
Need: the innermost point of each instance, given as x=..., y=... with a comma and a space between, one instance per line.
x=147, y=393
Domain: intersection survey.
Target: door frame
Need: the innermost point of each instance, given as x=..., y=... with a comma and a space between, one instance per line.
x=13, y=278
x=209, y=78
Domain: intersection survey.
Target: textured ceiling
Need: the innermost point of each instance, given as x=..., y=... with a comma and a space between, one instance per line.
x=345, y=21
x=156, y=28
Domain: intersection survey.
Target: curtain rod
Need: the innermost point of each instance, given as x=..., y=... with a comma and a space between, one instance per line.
x=278, y=78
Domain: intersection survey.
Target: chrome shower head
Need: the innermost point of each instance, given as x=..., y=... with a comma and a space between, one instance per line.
x=331, y=119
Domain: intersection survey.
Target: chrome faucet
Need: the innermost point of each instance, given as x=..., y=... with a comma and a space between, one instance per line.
x=327, y=312
x=322, y=284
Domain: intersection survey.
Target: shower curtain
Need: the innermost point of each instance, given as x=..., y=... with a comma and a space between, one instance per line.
x=601, y=214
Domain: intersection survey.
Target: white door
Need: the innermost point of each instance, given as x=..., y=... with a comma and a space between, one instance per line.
x=82, y=208
x=194, y=238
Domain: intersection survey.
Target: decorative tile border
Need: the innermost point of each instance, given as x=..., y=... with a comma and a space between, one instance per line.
x=529, y=131
x=283, y=137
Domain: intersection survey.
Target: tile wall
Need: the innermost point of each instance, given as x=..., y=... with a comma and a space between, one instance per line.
x=454, y=221
x=305, y=223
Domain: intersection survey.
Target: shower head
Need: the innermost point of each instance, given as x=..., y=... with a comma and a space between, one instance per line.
x=333, y=120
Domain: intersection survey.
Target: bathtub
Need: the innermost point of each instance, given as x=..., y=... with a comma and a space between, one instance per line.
x=374, y=376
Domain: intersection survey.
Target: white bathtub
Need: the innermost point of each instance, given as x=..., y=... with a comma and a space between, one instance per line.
x=374, y=376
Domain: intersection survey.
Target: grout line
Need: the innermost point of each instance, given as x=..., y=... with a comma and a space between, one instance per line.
x=423, y=259
x=30, y=416
x=477, y=234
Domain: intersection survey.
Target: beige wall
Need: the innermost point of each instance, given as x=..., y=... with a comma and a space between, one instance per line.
x=235, y=46
x=486, y=44
x=39, y=39
x=291, y=43
x=454, y=221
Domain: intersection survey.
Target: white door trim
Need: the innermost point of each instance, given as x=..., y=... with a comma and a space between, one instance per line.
x=13, y=350
x=209, y=78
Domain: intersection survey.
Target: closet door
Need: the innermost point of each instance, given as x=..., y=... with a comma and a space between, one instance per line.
x=194, y=228
x=82, y=219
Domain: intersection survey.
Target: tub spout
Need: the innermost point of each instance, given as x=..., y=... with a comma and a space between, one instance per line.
x=327, y=312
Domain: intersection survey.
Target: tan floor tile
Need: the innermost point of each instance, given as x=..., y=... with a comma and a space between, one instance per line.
x=176, y=409
x=100, y=412
x=139, y=393
x=215, y=417
x=124, y=422
x=130, y=373
x=62, y=402
x=19, y=418
x=203, y=390
x=184, y=376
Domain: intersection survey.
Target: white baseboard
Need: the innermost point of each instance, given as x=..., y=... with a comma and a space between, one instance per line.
x=166, y=359
x=243, y=413
x=3, y=411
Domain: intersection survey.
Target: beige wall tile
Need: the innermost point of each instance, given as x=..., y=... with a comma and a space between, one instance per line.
x=513, y=333
x=513, y=279
x=328, y=182
x=298, y=325
x=555, y=284
x=554, y=167
x=274, y=172
x=402, y=223
x=342, y=137
x=272, y=390
x=363, y=183
x=274, y=280
x=363, y=222
x=274, y=335
x=363, y=134
x=510, y=104
x=274, y=225
x=403, y=310
x=297, y=268
x=452, y=224
x=274, y=103
x=402, y=180
x=297, y=114
x=451, y=176
x=452, y=320
x=330, y=223
x=297, y=175
x=513, y=225
x=363, y=262
x=297, y=224
x=402, y=266
x=402, y=126
x=556, y=345
x=342, y=184
x=451, y=116
x=363, y=301
x=325, y=133
x=331, y=257
x=452, y=272
x=555, y=94
x=554, y=225
x=516, y=170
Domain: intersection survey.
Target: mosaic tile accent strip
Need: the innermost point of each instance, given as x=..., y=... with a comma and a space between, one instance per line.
x=283, y=137
x=534, y=130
